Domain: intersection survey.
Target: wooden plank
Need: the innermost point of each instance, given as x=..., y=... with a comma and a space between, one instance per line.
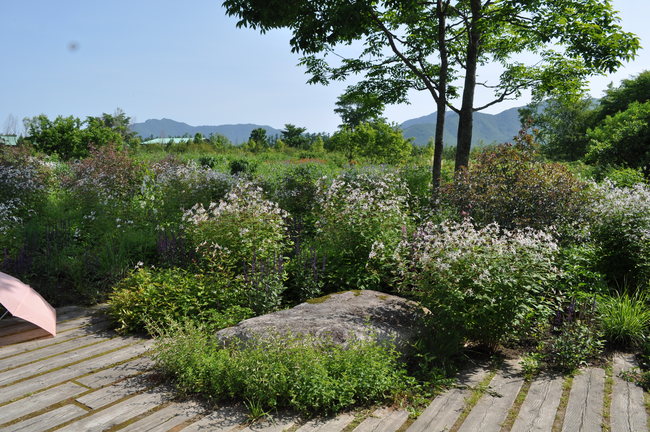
x=538, y=410
x=383, y=420
x=442, y=412
x=52, y=350
x=47, y=420
x=492, y=409
x=221, y=420
x=8, y=325
x=35, y=332
x=335, y=424
x=167, y=418
x=118, y=413
x=585, y=407
x=116, y=373
x=115, y=392
x=276, y=423
x=69, y=373
x=12, y=350
x=627, y=413
x=64, y=359
x=39, y=401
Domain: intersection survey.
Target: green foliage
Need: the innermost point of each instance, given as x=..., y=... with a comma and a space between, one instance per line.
x=625, y=319
x=361, y=218
x=624, y=177
x=377, y=141
x=618, y=99
x=620, y=228
x=561, y=122
x=573, y=337
x=357, y=108
x=243, y=235
x=509, y=186
x=72, y=138
x=622, y=139
x=155, y=296
x=479, y=285
x=242, y=167
x=298, y=373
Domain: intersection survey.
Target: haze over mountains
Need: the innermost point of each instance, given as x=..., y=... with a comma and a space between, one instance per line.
x=488, y=128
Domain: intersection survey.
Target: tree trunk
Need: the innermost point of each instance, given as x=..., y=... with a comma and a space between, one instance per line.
x=466, y=116
x=436, y=169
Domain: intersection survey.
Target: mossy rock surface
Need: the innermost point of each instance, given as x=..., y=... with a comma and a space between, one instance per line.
x=340, y=317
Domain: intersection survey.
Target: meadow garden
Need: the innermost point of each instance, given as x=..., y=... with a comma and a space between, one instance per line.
x=540, y=246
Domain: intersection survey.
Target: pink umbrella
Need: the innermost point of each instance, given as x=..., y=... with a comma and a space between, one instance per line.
x=22, y=301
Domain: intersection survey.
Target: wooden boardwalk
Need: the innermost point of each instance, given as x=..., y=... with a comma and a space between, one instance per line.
x=89, y=379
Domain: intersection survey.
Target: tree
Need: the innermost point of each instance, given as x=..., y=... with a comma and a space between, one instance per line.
x=378, y=141
x=293, y=136
x=617, y=99
x=561, y=123
x=623, y=139
x=61, y=136
x=355, y=108
x=428, y=45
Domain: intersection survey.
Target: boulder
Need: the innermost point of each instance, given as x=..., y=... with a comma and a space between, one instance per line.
x=338, y=317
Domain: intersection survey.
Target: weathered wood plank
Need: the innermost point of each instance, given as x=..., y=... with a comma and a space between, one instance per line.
x=115, y=392
x=37, y=333
x=585, y=407
x=383, y=420
x=39, y=401
x=64, y=359
x=627, y=413
x=69, y=373
x=492, y=409
x=442, y=412
x=111, y=375
x=221, y=420
x=273, y=424
x=52, y=350
x=167, y=418
x=538, y=410
x=332, y=424
x=16, y=349
x=118, y=413
x=47, y=420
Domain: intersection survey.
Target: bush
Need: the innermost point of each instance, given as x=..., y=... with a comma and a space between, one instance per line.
x=23, y=187
x=362, y=216
x=620, y=225
x=108, y=176
x=622, y=139
x=156, y=296
x=244, y=235
x=479, y=285
x=625, y=319
x=507, y=185
x=296, y=373
x=573, y=337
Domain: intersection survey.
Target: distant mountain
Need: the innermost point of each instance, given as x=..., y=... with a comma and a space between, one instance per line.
x=488, y=128
x=165, y=128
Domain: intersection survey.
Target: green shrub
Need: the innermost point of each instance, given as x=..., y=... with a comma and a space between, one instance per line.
x=242, y=167
x=624, y=177
x=479, y=285
x=620, y=226
x=625, y=319
x=362, y=216
x=509, y=186
x=296, y=373
x=243, y=235
x=622, y=139
x=155, y=296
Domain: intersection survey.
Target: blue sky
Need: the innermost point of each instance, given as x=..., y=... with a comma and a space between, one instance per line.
x=186, y=61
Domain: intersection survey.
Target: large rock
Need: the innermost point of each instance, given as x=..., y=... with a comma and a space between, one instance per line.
x=338, y=317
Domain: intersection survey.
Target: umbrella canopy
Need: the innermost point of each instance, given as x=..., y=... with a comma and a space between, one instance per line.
x=23, y=302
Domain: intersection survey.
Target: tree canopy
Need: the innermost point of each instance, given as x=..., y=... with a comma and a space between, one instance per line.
x=438, y=46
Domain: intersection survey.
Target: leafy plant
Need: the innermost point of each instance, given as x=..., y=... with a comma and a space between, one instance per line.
x=155, y=296
x=362, y=216
x=625, y=319
x=479, y=284
x=308, y=375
